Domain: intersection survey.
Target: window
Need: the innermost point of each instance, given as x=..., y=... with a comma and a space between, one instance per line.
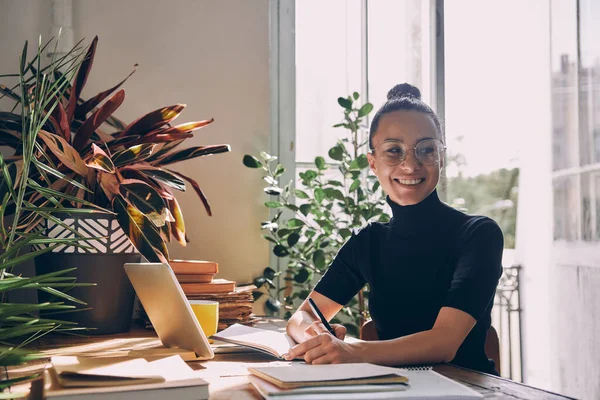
x=576, y=120
x=346, y=46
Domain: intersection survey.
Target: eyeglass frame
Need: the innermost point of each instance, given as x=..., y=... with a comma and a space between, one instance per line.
x=414, y=148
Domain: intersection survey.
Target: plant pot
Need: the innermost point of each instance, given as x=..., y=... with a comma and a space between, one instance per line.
x=111, y=300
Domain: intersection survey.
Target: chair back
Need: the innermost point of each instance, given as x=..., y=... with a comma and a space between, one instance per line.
x=492, y=343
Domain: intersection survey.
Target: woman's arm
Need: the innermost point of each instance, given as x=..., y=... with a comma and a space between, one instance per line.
x=436, y=345
x=304, y=324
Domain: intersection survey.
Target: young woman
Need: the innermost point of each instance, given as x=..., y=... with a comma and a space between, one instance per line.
x=432, y=270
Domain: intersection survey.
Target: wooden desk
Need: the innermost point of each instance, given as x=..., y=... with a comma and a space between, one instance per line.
x=227, y=374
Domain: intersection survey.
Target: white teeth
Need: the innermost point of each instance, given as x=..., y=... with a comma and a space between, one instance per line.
x=409, y=181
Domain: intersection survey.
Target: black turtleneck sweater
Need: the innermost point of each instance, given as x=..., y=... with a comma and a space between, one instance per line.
x=427, y=257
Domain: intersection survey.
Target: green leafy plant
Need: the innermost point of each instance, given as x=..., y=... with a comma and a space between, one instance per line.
x=125, y=170
x=315, y=219
x=26, y=200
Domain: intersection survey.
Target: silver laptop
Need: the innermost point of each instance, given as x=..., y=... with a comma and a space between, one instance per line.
x=168, y=308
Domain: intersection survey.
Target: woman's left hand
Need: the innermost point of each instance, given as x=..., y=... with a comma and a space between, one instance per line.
x=325, y=349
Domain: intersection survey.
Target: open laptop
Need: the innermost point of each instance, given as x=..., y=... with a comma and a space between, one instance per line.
x=167, y=307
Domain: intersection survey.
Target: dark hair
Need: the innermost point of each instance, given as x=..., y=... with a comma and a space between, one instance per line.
x=403, y=97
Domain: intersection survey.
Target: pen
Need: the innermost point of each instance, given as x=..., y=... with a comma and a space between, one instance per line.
x=318, y=313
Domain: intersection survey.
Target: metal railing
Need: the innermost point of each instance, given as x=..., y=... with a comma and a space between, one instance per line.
x=506, y=318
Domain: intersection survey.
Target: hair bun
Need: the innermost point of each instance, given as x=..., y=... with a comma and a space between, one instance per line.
x=404, y=90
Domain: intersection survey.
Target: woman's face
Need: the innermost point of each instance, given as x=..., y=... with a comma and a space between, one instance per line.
x=410, y=181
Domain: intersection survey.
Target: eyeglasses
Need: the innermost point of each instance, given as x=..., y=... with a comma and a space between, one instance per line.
x=427, y=152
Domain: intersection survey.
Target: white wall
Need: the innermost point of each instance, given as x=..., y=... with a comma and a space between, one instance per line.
x=212, y=56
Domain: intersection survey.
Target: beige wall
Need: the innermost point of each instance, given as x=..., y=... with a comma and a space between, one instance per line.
x=20, y=20
x=212, y=56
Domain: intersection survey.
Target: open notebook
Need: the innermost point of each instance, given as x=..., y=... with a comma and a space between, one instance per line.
x=271, y=342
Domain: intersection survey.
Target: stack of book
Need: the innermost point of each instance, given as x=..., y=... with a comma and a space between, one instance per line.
x=197, y=279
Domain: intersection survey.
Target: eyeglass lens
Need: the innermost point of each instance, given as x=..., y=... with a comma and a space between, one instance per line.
x=427, y=152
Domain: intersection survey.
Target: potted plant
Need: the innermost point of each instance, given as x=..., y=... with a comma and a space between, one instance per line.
x=314, y=220
x=19, y=323
x=122, y=168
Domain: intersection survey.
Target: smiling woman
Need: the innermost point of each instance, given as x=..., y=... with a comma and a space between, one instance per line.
x=437, y=265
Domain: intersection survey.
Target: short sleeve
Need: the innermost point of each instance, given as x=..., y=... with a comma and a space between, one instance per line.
x=344, y=279
x=478, y=268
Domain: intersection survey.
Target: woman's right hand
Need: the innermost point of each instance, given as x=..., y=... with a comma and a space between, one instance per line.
x=317, y=328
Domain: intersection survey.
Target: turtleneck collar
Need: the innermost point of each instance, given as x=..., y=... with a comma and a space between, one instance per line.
x=416, y=217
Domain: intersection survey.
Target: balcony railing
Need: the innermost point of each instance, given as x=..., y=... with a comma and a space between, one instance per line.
x=506, y=318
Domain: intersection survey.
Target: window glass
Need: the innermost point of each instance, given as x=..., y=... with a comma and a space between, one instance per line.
x=488, y=114
x=566, y=215
x=329, y=61
x=564, y=84
x=590, y=206
x=589, y=82
x=328, y=65
x=398, y=47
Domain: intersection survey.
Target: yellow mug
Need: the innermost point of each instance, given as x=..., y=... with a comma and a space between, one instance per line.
x=207, y=314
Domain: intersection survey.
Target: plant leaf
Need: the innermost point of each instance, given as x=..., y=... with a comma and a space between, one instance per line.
x=251, y=161
x=192, y=152
x=158, y=174
x=64, y=152
x=365, y=109
x=199, y=191
x=122, y=141
x=153, y=120
x=100, y=160
x=146, y=199
x=8, y=92
x=52, y=171
x=109, y=184
x=346, y=103
x=90, y=104
x=133, y=154
x=183, y=128
x=97, y=118
x=80, y=79
x=60, y=116
x=142, y=233
x=177, y=226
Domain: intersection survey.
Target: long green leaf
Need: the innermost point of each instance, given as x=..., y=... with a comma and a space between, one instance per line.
x=51, y=192
x=60, y=175
x=63, y=295
x=28, y=256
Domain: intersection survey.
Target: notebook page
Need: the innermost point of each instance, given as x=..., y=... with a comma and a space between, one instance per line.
x=276, y=343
